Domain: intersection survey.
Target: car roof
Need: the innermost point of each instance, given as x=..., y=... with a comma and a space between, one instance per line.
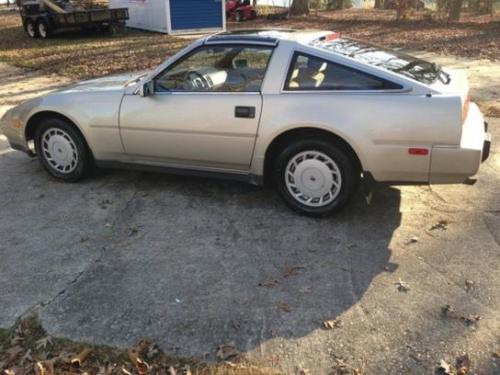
x=266, y=36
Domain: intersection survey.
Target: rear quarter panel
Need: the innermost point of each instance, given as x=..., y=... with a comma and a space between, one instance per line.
x=380, y=127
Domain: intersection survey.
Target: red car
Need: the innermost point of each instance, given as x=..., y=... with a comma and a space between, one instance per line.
x=240, y=10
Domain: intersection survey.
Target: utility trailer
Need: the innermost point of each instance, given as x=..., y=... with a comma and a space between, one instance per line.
x=41, y=18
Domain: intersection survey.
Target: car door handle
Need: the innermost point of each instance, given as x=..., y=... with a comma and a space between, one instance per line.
x=244, y=112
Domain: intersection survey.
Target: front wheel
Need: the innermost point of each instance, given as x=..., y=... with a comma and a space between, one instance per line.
x=315, y=177
x=62, y=150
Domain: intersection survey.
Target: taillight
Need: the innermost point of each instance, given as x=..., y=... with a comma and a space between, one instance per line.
x=465, y=108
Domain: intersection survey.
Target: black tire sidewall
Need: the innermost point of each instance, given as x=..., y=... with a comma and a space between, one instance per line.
x=83, y=165
x=348, y=172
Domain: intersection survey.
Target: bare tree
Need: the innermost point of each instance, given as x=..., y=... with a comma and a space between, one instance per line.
x=454, y=9
x=299, y=7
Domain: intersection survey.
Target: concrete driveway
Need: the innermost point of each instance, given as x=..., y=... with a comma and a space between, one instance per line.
x=194, y=263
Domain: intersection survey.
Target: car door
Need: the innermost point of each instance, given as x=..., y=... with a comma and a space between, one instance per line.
x=204, y=112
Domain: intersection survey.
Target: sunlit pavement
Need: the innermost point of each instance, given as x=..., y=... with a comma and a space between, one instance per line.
x=194, y=263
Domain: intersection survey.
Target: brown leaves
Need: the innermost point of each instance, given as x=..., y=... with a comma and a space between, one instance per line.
x=402, y=286
x=77, y=360
x=441, y=224
x=341, y=367
x=449, y=312
x=462, y=366
x=332, y=323
x=284, y=307
x=227, y=352
x=292, y=271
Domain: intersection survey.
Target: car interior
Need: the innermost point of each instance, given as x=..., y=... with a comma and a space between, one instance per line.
x=217, y=68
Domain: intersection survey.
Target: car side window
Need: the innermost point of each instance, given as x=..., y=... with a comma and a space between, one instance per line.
x=309, y=73
x=219, y=68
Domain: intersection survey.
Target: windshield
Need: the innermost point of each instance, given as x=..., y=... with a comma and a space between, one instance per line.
x=397, y=62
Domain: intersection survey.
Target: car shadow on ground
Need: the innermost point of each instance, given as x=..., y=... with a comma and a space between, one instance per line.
x=194, y=263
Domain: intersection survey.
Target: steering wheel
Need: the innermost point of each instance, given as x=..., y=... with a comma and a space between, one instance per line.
x=196, y=80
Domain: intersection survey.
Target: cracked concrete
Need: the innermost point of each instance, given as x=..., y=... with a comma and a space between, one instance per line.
x=125, y=255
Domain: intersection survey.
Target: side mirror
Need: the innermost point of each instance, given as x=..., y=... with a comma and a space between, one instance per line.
x=146, y=89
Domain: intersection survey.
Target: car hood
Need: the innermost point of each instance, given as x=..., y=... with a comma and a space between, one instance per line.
x=109, y=83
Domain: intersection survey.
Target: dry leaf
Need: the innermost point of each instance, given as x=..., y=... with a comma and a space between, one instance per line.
x=402, y=286
x=227, y=352
x=444, y=367
x=469, y=285
x=269, y=284
x=284, y=306
x=44, y=367
x=44, y=342
x=81, y=357
x=441, y=224
x=291, y=271
x=463, y=365
x=496, y=354
x=332, y=323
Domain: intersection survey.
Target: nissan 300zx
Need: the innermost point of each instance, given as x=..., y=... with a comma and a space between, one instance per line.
x=311, y=112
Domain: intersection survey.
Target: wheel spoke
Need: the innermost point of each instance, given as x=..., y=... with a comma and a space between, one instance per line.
x=313, y=178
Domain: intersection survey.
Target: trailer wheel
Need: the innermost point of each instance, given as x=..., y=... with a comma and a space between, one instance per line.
x=31, y=29
x=43, y=29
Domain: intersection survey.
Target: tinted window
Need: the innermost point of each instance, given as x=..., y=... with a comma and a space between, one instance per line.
x=312, y=73
x=397, y=62
x=217, y=68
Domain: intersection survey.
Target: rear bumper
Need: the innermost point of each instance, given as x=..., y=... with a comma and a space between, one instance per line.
x=454, y=164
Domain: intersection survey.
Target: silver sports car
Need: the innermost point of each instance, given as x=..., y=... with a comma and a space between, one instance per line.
x=311, y=112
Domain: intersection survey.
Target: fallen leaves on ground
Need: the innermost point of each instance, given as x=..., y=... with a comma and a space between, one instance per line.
x=469, y=285
x=461, y=367
x=402, y=286
x=284, y=307
x=292, y=271
x=341, y=367
x=28, y=350
x=332, y=323
x=441, y=224
x=228, y=352
x=450, y=313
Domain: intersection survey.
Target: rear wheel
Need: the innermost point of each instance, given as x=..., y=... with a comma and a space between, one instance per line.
x=30, y=28
x=43, y=29
x=315, y=177
x=62, y=150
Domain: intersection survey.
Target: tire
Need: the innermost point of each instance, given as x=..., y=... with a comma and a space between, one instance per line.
x=62, y=150
x=31, y=29
x=43, y=29
x=329, y=176
x=239, y=17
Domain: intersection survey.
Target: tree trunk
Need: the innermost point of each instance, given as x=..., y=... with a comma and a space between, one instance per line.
x=455, y=10
x=379, y=4
x=299, y=7
x=254, y=3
